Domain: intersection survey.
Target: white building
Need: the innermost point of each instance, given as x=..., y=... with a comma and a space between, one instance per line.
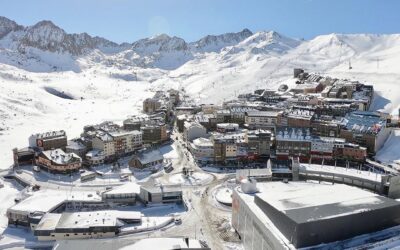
x=119, y=142
x=125, y=194
x=299, y=214
x=202, y=149
x=193, y=130
x=227, y=127
x=261, y=119
x=83, y=225
x=326, y=145
x=95, y=157
x=104, y=142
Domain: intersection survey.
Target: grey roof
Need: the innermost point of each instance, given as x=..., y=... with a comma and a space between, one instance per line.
x=364, y=122
x=262, y=113
x=162, y=188
x=306, y=202
x=149, y=156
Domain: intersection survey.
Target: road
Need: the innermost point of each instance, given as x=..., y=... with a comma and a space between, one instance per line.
x=201, y=219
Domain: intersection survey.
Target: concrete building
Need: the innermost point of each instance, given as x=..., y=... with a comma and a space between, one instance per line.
x=293, y=142
x=326, y=147
x=83, y=225
x=193, y=130
x=76, y=147
x=24, y=156
x=353, y=152
x=161, y=194
x=48, y=201
x=307, y=88
x=259, y=142
x=300, y=118
x=154, y=134
x=202, y=150
x=180, y=122
x=225, y=150
x=174, y=96
x=146, y=159
x=299, y=214
x=95, y=157
x=261, y=119
x=227, y=127
x=58, y=161
x=118, y=143
x=151, y=105
x=49, y=140
x=365, y=128
x=124, y=194
x=104, y=142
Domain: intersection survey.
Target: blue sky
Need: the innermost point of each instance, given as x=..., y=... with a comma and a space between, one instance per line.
x=129, y=20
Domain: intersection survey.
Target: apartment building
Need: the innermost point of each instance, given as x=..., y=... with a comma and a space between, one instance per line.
x=58, y=161
x=49, y=140
x=261, y=119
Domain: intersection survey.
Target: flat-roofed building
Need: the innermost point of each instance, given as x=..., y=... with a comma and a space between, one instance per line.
x=150, y=105
x=259, y=142
x=293, y=142
x=365, y=128
x=44, y=201
x=124, y=194
x=77, y=147
x=49, y=140
x=261, y=119
x=202, y=150
x=83, y=225
x=161, y=194
x=95, y=157
x=299, y=214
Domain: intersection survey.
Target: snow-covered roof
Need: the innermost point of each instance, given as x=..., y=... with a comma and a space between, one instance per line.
x=127, y=188
x=228, y=126
x=95, y=153
x=164, y=244
x=46, y=200
x=121, y=133
x=293, y=134
x=364, y=122
x=58, y=156
x=262, y=113
x=150, y=156
x=162, y=188
x=304, y=202
x=51, y=134
x=202, y=142
x=87, y=219
x=75, y=145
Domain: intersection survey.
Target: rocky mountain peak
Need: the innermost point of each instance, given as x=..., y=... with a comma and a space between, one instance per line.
x=7, y=26
x=214, y=43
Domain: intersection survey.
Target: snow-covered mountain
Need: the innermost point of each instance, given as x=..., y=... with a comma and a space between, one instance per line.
x=214, y=43
x=108, y=81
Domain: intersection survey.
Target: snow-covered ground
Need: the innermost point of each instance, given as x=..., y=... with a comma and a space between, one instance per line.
x=197, y=178
x=7, y=195
x=110, y=86
x=390, y=151
x=341, y=171
x=224, y=195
